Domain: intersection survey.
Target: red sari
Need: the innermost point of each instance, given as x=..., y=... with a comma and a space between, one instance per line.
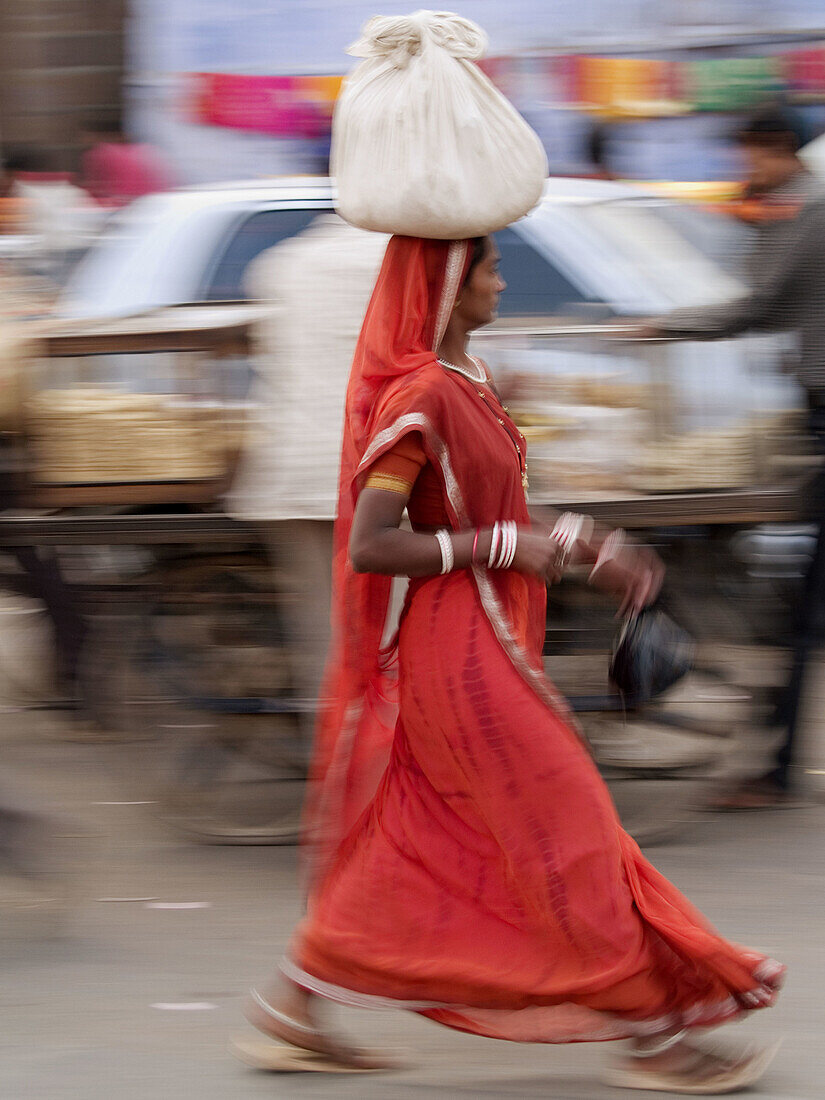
x=467, y=860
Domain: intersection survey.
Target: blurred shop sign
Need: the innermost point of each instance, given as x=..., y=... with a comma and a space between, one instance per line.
x=288, y=106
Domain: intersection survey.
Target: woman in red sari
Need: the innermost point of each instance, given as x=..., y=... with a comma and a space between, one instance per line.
x=466, y=860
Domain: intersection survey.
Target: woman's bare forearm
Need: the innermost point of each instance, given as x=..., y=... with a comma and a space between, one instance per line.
x=395, y=552
x=378, y=545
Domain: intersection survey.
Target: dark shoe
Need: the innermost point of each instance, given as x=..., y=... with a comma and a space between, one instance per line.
x=754, y=794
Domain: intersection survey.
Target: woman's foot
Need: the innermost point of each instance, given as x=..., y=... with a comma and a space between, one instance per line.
x=290, y=1018
x=689, y=1070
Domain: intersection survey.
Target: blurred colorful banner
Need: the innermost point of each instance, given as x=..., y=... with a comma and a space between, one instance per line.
x=804, y=72
x=629, y=87
x=622, y=87
x=615, y=87
x=732, y=83
x=285, y=106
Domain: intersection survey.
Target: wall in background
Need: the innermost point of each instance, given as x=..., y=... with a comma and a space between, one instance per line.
x=61, y=66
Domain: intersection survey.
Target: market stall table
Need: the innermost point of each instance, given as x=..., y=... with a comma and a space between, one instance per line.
x=85, y=443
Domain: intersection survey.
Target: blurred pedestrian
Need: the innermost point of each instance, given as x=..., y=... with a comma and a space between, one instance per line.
x=60, y=218
x=786, y=204
x=467, y=862
x=116, y=171
x=42, y=577
x=287, y=481
x=597, y=152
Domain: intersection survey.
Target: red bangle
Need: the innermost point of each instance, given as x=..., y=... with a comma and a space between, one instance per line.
x=475, y=547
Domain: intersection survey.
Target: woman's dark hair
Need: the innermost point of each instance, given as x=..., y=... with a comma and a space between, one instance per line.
x=772, y=128
x=24, y=158
x=478, y=250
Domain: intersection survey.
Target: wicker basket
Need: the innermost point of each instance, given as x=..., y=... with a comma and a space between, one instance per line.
x=94, y=436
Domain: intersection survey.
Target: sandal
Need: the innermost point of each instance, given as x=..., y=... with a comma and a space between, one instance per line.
x=292, y=1046
x=705, y=1074
x=265, y=1054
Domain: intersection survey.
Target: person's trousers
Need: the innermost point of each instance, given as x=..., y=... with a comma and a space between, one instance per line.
x=807, y=621
x=301, y=554
x=45, y=582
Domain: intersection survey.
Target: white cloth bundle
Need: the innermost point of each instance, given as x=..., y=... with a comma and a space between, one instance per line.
x=423, y=144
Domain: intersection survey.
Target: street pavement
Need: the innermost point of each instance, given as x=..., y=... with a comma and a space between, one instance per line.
x=136, y=999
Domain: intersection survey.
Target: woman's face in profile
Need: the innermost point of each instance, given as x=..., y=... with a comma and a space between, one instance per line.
x=478, y=301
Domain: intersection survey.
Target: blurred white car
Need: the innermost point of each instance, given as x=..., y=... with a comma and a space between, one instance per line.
x=590, y=251
x=591, y=247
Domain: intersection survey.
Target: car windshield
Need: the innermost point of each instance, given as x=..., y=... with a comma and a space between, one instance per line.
x=112, y=276
x=690, y=254
x=723, y=239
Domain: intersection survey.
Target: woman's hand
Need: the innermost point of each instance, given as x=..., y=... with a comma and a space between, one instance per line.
x=634, y=574
x=538, y=554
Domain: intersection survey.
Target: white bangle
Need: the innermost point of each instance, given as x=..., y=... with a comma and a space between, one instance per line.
x=494, y=541
x=445, y=545
x=513, y=545
x=509, y=543
x=608, y=551
x=504, y=547
x=568, y=531
x=567, y=528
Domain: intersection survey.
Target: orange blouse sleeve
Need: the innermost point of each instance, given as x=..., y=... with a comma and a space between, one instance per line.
x=397, y=469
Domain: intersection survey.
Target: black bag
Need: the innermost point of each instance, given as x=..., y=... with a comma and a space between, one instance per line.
x=650, y=654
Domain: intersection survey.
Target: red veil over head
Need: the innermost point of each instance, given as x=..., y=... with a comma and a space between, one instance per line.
x=414, y=295
x=397, y=386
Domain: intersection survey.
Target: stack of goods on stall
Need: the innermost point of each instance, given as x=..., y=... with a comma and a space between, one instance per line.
x=94, y=435
x=584, y=432
x=16, y=350
x=601, y=423
x=721, y=458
